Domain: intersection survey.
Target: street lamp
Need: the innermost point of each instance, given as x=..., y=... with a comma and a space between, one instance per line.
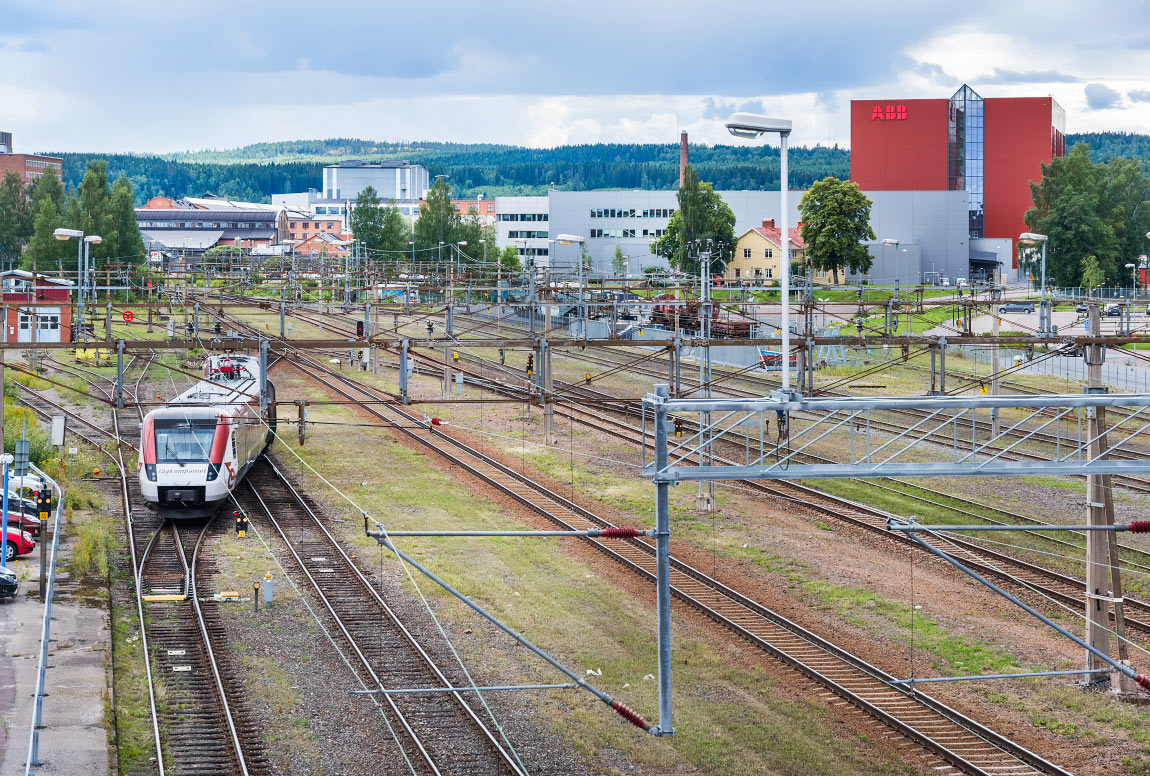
x=459, y=257
x=574, y=239
x=1133, y=282
x=82, y=253
x=897, y=273
x=1030, y=238
x=749, y=126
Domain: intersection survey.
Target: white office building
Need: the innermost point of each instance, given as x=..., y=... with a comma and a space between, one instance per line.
x=524, y=222
x=399, y=181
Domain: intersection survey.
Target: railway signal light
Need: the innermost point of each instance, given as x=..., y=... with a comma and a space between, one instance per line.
x=530, y=363
x=678, y=427
x=359, y=328
x=241, y=524
x=43, y=503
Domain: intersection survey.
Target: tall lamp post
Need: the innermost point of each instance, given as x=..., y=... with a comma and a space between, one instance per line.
x=897, y=267
x=574, y=239
x=751, y=125
x=82, y=253
x=1031, y=238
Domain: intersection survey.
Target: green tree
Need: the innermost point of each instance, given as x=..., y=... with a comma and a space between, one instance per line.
x=48, y=186
x=367, y=220
x=438, y=222
x=128, y=245
x=835, y=218
x=228, y=255
x=90, y=211
x=619, y=261
x=394, y=233
x=1080, y=206
x=702, y=216
x=15, y=217
x=1092, y=274
x=509, y=260
x=45, y=252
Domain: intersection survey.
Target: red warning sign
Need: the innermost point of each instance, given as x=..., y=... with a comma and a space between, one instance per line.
x=128, y=316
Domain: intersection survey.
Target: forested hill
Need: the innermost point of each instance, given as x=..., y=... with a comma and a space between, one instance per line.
x=257, y=171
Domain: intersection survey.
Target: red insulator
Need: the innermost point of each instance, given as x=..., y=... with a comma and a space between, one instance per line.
x=436, y=422
x=621, y=532
x=1139, y=526
x=629, y=715
x=1143, y=682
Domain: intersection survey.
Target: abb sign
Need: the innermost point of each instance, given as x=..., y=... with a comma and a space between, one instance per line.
x=888, y=113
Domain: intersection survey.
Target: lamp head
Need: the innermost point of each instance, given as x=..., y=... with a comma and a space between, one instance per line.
x=751, y=125
x=67, y=234
x=1032, y=237
x=890, y=241
x=94, y=239
x=568, y=239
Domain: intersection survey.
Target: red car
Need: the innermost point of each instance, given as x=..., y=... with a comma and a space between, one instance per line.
x=17, y=543
x=25, y=523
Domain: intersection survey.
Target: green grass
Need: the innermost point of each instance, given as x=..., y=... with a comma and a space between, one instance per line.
x=134, y=741
x=729, y=719
x=94, y=541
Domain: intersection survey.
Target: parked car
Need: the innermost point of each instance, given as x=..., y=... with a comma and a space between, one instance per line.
x=9, y=583
x=25, y=522
x=1112, y=311
x=17, y=543
x=1082, y=307
x=1017, y=307
x=961, y=283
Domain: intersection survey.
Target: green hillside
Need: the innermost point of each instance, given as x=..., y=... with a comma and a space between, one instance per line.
x=255, y=172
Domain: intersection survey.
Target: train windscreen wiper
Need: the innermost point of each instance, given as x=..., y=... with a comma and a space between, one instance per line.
x=170, y=451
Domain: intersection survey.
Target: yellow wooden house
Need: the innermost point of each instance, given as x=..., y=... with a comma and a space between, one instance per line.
x=757, y=254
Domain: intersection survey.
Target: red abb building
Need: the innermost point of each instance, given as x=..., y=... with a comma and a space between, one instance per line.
x=990, y=148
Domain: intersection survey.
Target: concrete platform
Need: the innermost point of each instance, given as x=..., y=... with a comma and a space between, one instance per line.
x=74, y=741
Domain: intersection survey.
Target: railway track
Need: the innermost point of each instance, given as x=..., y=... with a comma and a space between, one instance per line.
x=440, y=732
x=946, y=739
x=199, y=723
x=1033, y=579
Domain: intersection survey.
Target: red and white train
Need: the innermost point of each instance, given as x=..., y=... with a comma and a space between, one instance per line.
x=197, y=448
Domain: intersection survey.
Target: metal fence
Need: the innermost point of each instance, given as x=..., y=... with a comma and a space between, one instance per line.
x=45, y=631
x=1121, y=377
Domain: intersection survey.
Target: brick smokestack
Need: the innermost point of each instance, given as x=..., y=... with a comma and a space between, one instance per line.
x=682, y=157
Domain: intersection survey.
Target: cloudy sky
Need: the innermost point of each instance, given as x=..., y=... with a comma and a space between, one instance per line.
x=153, y=77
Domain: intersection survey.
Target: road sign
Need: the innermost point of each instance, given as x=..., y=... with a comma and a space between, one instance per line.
x=128, y=316
x=20, y=465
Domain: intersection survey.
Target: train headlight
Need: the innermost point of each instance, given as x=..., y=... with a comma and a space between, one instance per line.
x=150, y=471
x=213, y=471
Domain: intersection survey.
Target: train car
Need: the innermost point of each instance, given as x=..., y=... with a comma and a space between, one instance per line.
x=198, y=447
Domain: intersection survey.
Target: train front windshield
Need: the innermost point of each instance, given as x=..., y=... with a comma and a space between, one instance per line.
x=184, y=441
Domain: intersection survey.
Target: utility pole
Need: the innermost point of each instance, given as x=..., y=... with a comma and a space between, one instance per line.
x=545, y=365
x=1099, y=505
x=994, y=367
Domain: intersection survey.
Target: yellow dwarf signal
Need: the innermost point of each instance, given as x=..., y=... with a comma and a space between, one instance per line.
x=587, y=377
x=454, y=356
x=983, y=389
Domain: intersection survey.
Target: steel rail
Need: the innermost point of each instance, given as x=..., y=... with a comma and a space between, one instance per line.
x=619, y=550
x=316, y=524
